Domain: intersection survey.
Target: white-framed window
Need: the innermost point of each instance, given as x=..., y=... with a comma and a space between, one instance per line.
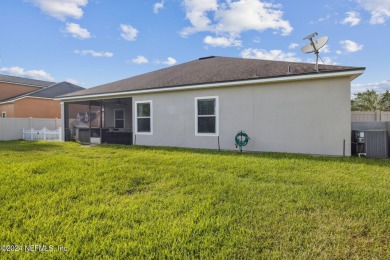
x=144, y=117
x=206, y=116
x=119, y=118
x=3, y=114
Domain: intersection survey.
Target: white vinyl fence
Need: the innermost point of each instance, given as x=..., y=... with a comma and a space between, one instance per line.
x=12, y=128
x=370, y=116
x=43, y=134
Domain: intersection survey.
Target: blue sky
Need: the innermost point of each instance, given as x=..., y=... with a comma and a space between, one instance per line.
x=92, y=42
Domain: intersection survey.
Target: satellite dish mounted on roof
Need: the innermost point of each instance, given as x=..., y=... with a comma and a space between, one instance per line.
x=315, y=46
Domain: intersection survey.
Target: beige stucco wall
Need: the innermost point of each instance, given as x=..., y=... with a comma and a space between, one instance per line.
x=37, y=108
x=8, y=90
x=310, y=116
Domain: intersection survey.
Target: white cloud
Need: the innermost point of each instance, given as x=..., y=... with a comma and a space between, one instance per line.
x=245, y=15
x=293, y=46
x=196, y=13
x=256, y=40
x=61, y=9
x=94, y=53
x=269, y=55
x=140, y=60
x=170, y=61
x=73, y=81
x=323, y=60
x=158, y=6
x=353, y=18
x=129, y=33
x=77, y=32
x=328, y=61
x=351, y=46
x=234, y=17
x=325, y=49
x=379, y=9
x=34, y=74
x=379, y=87
x=222, y=41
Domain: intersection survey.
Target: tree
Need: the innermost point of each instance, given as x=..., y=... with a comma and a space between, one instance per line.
x=371, y=101
x=386, y=101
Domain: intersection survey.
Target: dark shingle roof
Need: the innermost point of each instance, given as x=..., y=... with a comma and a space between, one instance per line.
x=56, y=90
x=210, y=70
x=25, y=81
x=53, y=91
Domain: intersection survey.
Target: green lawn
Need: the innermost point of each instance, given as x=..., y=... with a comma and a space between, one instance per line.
x=139, y=202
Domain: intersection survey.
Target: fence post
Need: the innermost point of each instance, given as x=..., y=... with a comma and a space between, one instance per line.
x=44, y=133
x=0, y=127
x=377, y=115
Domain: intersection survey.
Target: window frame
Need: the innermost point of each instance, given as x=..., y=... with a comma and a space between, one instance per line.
x=124, y=116
x=3, y=114
x=136, y=117
x=216, y=111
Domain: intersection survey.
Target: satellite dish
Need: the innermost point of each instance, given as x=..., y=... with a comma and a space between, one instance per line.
x=315, y=46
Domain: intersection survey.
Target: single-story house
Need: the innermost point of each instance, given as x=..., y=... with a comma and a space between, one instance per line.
x=282, y=106
x=23, y=98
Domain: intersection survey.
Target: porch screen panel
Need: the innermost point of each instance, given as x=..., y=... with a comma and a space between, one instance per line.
x=119, y=118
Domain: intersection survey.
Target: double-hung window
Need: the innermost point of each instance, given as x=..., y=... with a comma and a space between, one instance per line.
x=3, y=114
x=144, y=117
x=119, y=116
x=206, y=116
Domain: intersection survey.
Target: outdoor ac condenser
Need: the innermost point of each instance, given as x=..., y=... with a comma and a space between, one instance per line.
x=376, y=144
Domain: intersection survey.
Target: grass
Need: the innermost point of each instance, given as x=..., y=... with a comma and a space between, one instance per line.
x=137, y=202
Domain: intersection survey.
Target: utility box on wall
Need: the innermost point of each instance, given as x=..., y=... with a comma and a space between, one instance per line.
x=377, y=144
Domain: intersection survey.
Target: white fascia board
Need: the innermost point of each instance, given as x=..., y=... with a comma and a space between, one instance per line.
x=16, y=99
x=353, y=74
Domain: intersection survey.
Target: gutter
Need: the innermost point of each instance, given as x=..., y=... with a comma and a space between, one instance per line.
x=354, y=74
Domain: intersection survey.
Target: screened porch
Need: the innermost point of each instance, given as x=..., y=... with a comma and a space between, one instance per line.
x=99, y=121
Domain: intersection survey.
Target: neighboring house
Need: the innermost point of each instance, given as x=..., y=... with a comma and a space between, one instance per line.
x=282, y=106
x=22, y=98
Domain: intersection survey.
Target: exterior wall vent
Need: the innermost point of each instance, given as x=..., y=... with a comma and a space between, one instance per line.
x=208, y=57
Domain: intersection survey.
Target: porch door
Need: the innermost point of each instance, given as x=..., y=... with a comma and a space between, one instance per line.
x=95, y=122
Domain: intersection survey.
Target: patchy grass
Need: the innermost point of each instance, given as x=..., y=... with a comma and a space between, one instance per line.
x=138, y=202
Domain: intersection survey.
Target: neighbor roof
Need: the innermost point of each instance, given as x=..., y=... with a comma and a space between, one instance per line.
x=25, y=81
x=56, y=90
x=210, y=70
x=53, y=91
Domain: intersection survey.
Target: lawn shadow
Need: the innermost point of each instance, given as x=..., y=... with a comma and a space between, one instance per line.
x=28, y=146
x=270, y=155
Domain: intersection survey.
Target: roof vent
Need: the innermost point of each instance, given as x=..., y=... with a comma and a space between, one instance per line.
x=208, y=57
x=289, y=69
